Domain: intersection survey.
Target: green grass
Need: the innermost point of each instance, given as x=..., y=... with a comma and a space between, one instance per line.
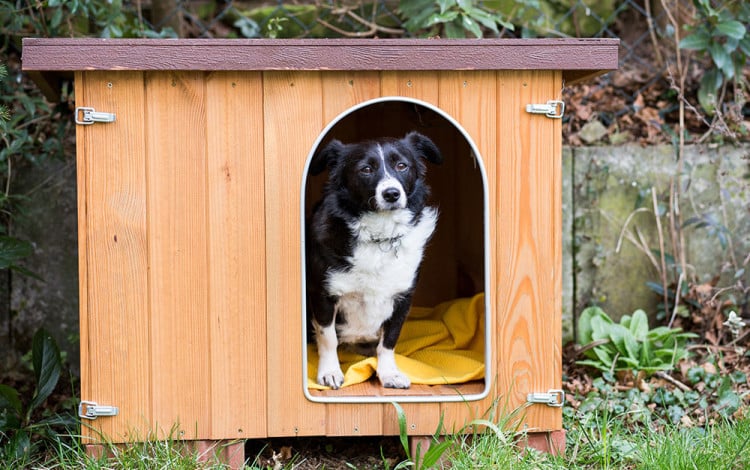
x=599, y=440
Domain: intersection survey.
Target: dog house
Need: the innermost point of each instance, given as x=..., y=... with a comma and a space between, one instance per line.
x=193, y=189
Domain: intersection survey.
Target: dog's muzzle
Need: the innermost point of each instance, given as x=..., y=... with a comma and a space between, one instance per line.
x=390, y=198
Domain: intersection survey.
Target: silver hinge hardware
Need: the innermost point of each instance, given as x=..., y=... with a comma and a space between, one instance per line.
x=552, y=109
x=554, y=398
x=86, y=116
x=92, y=410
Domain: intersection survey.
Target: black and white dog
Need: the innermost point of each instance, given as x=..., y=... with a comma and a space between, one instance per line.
x=365, y=242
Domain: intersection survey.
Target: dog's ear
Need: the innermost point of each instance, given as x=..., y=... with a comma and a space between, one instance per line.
x=326, y=158
x=424, y=147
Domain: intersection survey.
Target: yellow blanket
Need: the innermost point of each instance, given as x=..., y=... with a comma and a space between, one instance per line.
x=440, y=345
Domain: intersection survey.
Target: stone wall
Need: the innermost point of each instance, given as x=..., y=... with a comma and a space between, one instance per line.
x=608, y=192
x=602, y=187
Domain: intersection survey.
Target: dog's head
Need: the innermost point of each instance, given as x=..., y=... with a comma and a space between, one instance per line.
x=382, y=174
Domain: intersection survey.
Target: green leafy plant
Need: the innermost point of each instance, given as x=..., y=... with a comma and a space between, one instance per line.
x=629, y=345
x=17, y=423
x=420, y=461
x=450, y=18
x=720, y=33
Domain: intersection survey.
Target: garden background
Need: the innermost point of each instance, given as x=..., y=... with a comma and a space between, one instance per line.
x=656, y=201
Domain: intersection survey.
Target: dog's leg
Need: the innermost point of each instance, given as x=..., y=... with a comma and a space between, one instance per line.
x=388, y=373
x=329, y=368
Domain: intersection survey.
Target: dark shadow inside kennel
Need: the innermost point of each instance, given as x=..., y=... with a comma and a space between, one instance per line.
x=455, y=261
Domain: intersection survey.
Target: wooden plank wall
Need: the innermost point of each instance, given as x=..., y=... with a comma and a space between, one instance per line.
x=190, y=240
x=173, y=288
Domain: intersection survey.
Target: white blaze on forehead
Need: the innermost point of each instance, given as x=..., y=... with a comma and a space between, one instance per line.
x=382, y=159
x=388, y=182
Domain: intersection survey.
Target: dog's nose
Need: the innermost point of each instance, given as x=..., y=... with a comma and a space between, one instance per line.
x=391, y=194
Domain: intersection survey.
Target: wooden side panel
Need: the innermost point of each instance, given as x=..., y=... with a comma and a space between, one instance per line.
x=178, y=259
x=236, y=253
x=341, y=91
x=528, y=244
x=470, y=98
x=422, y=418
x=114, y=331
x=293, y=120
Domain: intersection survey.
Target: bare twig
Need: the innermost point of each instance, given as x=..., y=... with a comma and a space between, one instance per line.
x=662, y=256
x=373, y=27
x=673, y=381
x=639, y=242
x=372, y=24
x=625, y=226
x=348, y=34
x=676, y=189
x=678, y=289
x=652, y=34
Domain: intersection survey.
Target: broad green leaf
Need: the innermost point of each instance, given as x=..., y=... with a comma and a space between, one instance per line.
x=9, y=399
x=629, y=362
x=441, y=18
x=417, y=11
x=639, y=325
x=454, y=30
x=412, y=7
x=600, y=328
x=645, y=356
x=662, y=334
x=486, y=19
x=604, y=355
x=472, y=26
x=708, y=90
x=728, y=401
x=733, y=29
x=722, y=59
x=698, y=41
x=20, y=444
x=593, y=363
x=585, y=331
x=47, y=366
x=403, y=434
x=12, y=249
x=434, y=453
x=696, y=374
x=632, y=344
x=617, y=334
x=744, y=45
x=445, y=5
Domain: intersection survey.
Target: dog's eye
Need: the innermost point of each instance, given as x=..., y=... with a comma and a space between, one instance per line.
x=366, y=170
x=401, y=166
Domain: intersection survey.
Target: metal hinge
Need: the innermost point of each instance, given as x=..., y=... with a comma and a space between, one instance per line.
x=92, y=410
x=552, y=109
x=554, y=398
x=86, y=116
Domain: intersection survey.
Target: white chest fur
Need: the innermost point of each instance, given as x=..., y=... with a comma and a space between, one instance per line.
x=384, y=261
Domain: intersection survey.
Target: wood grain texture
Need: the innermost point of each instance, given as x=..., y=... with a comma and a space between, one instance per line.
x=470, y=98
x=190, y=237
x=423, y=418
x=292, y=120
x=341, y=91
x=176, y=170
x=115, y=347
x=236, y=252
x=528, y=244
x=312, y=54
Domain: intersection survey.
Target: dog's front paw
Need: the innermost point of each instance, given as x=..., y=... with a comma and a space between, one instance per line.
x=394, y=379
x=333, y=378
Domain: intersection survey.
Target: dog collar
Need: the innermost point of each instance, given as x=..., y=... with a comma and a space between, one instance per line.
x=388, y=244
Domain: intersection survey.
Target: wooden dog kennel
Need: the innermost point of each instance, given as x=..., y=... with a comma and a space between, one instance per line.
x=191, y=171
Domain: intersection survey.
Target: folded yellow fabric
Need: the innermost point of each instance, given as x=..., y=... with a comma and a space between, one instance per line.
x=440, y=345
